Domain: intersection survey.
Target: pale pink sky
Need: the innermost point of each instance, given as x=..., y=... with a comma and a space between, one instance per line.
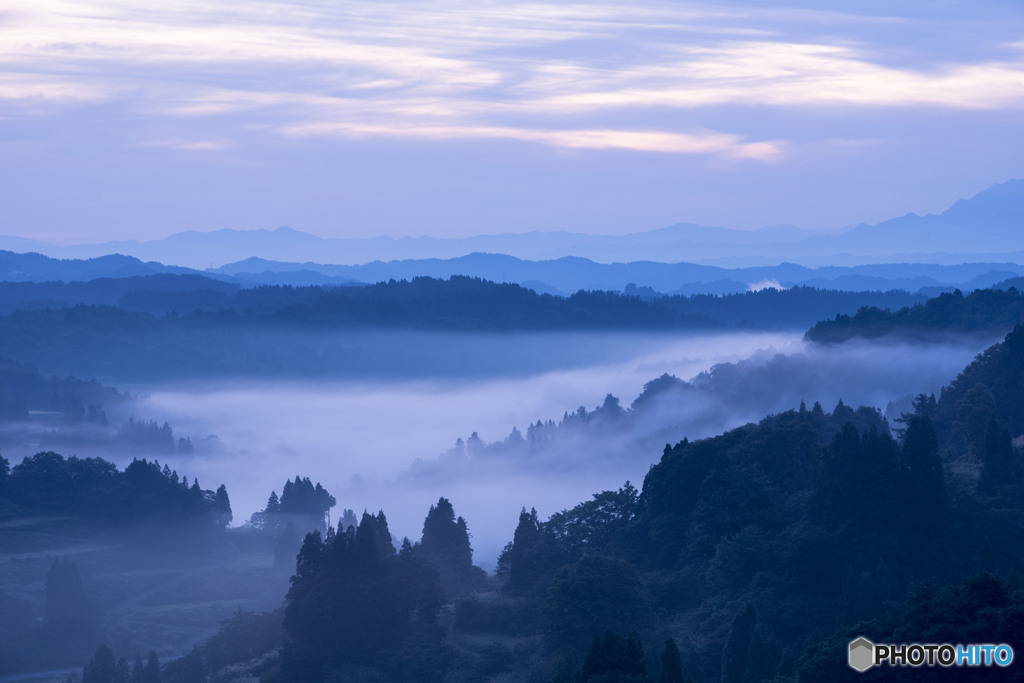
x=452, y=118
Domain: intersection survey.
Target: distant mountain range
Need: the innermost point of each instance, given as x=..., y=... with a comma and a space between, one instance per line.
x=35, y=267
x=559, y=276
x=988, y=227
x=569, y=274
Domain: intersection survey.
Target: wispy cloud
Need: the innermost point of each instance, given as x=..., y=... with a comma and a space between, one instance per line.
x=444, y=69
x=191, y=145
x=656, y=141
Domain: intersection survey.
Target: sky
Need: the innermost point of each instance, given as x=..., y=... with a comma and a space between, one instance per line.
x=127, y=120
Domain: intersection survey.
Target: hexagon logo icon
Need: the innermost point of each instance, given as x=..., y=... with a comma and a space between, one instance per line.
x=862, y=654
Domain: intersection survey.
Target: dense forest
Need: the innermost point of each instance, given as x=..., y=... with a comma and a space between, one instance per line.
x=24, y=390
x=982, y=311
x=748, y=556
x=176, y=327
x=391, y=302
x=753, y=555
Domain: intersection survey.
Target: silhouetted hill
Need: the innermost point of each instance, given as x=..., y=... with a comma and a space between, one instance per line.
x=983, y=312
x=24, y=390
x=150, y=293
x=560, y=276
x=985, y=227
x=989, y=221
x=569, y=274
x=161, y=326
x=33, y=267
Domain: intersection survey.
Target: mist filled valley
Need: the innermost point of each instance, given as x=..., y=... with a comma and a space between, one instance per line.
x=157, y=492
x=474, y=342
x=385, y=443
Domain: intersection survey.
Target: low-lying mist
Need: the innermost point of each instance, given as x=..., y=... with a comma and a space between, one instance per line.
x=391, y=444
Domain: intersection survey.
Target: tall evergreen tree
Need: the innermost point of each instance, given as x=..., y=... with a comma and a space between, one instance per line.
x=529, y=557
x=926, y=508
x=998, y=469
x=445, y=545
x=151, y=674
x=353, y=599
x=222, y=506
x=5, y=471
x=102, y=668
x=671, y=664
x=614, y=659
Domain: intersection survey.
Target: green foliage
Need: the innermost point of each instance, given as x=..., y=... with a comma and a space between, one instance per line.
x=983, y=311
x=243, y=638
x=981, y=609
x=165, y=327
x=103, y=668
x=928, y=508
x=671, y=664
x=1000, y=468
x=445, y=546
x=527, y=562
x=302, y=504
x=993, y=384
x=222, y=506
x=23, y=388
x=868, y=482
x=151, y=673
x=595, y=526
x=353, y=600
x=150, y=436
x=142, y=497
x=614, y=659
x=749, y=655
x=593, y=595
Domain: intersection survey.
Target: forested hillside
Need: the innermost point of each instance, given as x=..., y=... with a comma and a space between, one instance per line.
x=181, y=327
x=983, y=311
x=753, y=555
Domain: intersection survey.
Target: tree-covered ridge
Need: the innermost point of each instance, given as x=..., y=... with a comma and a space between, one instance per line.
x=163, y=329
x=24, y=389
x=747, y=550
x=458, y=303
x=305, y=505
x=991, y=386
x=143, y=495
x=983, y=311
x=354, y=601
x=793, y=308
x=151, y=293
x=454, y=303
x=758, y=551
x=980, y=607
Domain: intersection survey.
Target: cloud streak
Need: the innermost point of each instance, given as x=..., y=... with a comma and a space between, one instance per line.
x=443, y=70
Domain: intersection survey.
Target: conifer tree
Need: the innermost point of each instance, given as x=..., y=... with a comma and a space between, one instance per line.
x=671, y=664
x=926, y=508
x=222, y=506
x=997, y=467
x=152, y=671
x=445, y=545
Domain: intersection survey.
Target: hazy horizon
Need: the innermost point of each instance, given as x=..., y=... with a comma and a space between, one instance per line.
x=882, y=137
x=384, y=442
x=458, y=119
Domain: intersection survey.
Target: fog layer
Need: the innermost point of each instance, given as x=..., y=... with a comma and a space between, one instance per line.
x=390, y=444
